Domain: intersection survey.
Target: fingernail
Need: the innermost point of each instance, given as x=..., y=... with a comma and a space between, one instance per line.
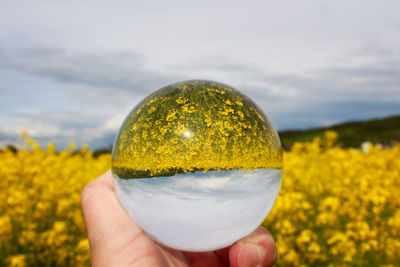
x=250, y=255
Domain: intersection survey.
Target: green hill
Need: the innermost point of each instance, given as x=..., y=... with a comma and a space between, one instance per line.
x=351, y=134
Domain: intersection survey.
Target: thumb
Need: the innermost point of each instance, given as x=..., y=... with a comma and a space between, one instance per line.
x=109, y=227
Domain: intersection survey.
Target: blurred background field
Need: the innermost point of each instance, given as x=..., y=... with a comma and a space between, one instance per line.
x=337, y=207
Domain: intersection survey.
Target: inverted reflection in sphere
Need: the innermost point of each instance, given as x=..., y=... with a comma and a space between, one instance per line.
x=197, y=165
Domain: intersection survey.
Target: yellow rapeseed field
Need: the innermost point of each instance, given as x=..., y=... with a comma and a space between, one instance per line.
x=337, y=207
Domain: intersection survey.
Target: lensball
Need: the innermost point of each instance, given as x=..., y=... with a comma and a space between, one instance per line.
x=197, y=165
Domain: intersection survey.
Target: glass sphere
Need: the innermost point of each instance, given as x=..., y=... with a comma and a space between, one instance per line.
x=197, y=165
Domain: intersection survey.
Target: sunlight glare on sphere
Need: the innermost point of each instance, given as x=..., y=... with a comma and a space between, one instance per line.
x=197, y=165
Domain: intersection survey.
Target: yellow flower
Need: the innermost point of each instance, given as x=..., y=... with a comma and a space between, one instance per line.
x=5, y=226
x=16, y=261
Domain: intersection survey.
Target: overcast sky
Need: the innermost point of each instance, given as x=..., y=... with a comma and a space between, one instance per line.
x=71, y=71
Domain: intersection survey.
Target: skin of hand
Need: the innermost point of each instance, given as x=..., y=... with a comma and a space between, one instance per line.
x=115, y=239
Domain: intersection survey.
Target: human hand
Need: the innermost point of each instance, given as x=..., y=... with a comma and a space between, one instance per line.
x=115, y=239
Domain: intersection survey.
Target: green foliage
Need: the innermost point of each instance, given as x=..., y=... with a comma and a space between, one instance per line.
x=351, y=134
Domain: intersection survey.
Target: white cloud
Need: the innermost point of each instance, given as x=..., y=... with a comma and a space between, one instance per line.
x=115, y=122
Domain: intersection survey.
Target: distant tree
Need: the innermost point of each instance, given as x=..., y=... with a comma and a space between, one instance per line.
x=101, y=151
x=12, y=148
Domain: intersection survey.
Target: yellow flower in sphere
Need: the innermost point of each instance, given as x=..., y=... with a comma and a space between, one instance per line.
x=191, y=159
